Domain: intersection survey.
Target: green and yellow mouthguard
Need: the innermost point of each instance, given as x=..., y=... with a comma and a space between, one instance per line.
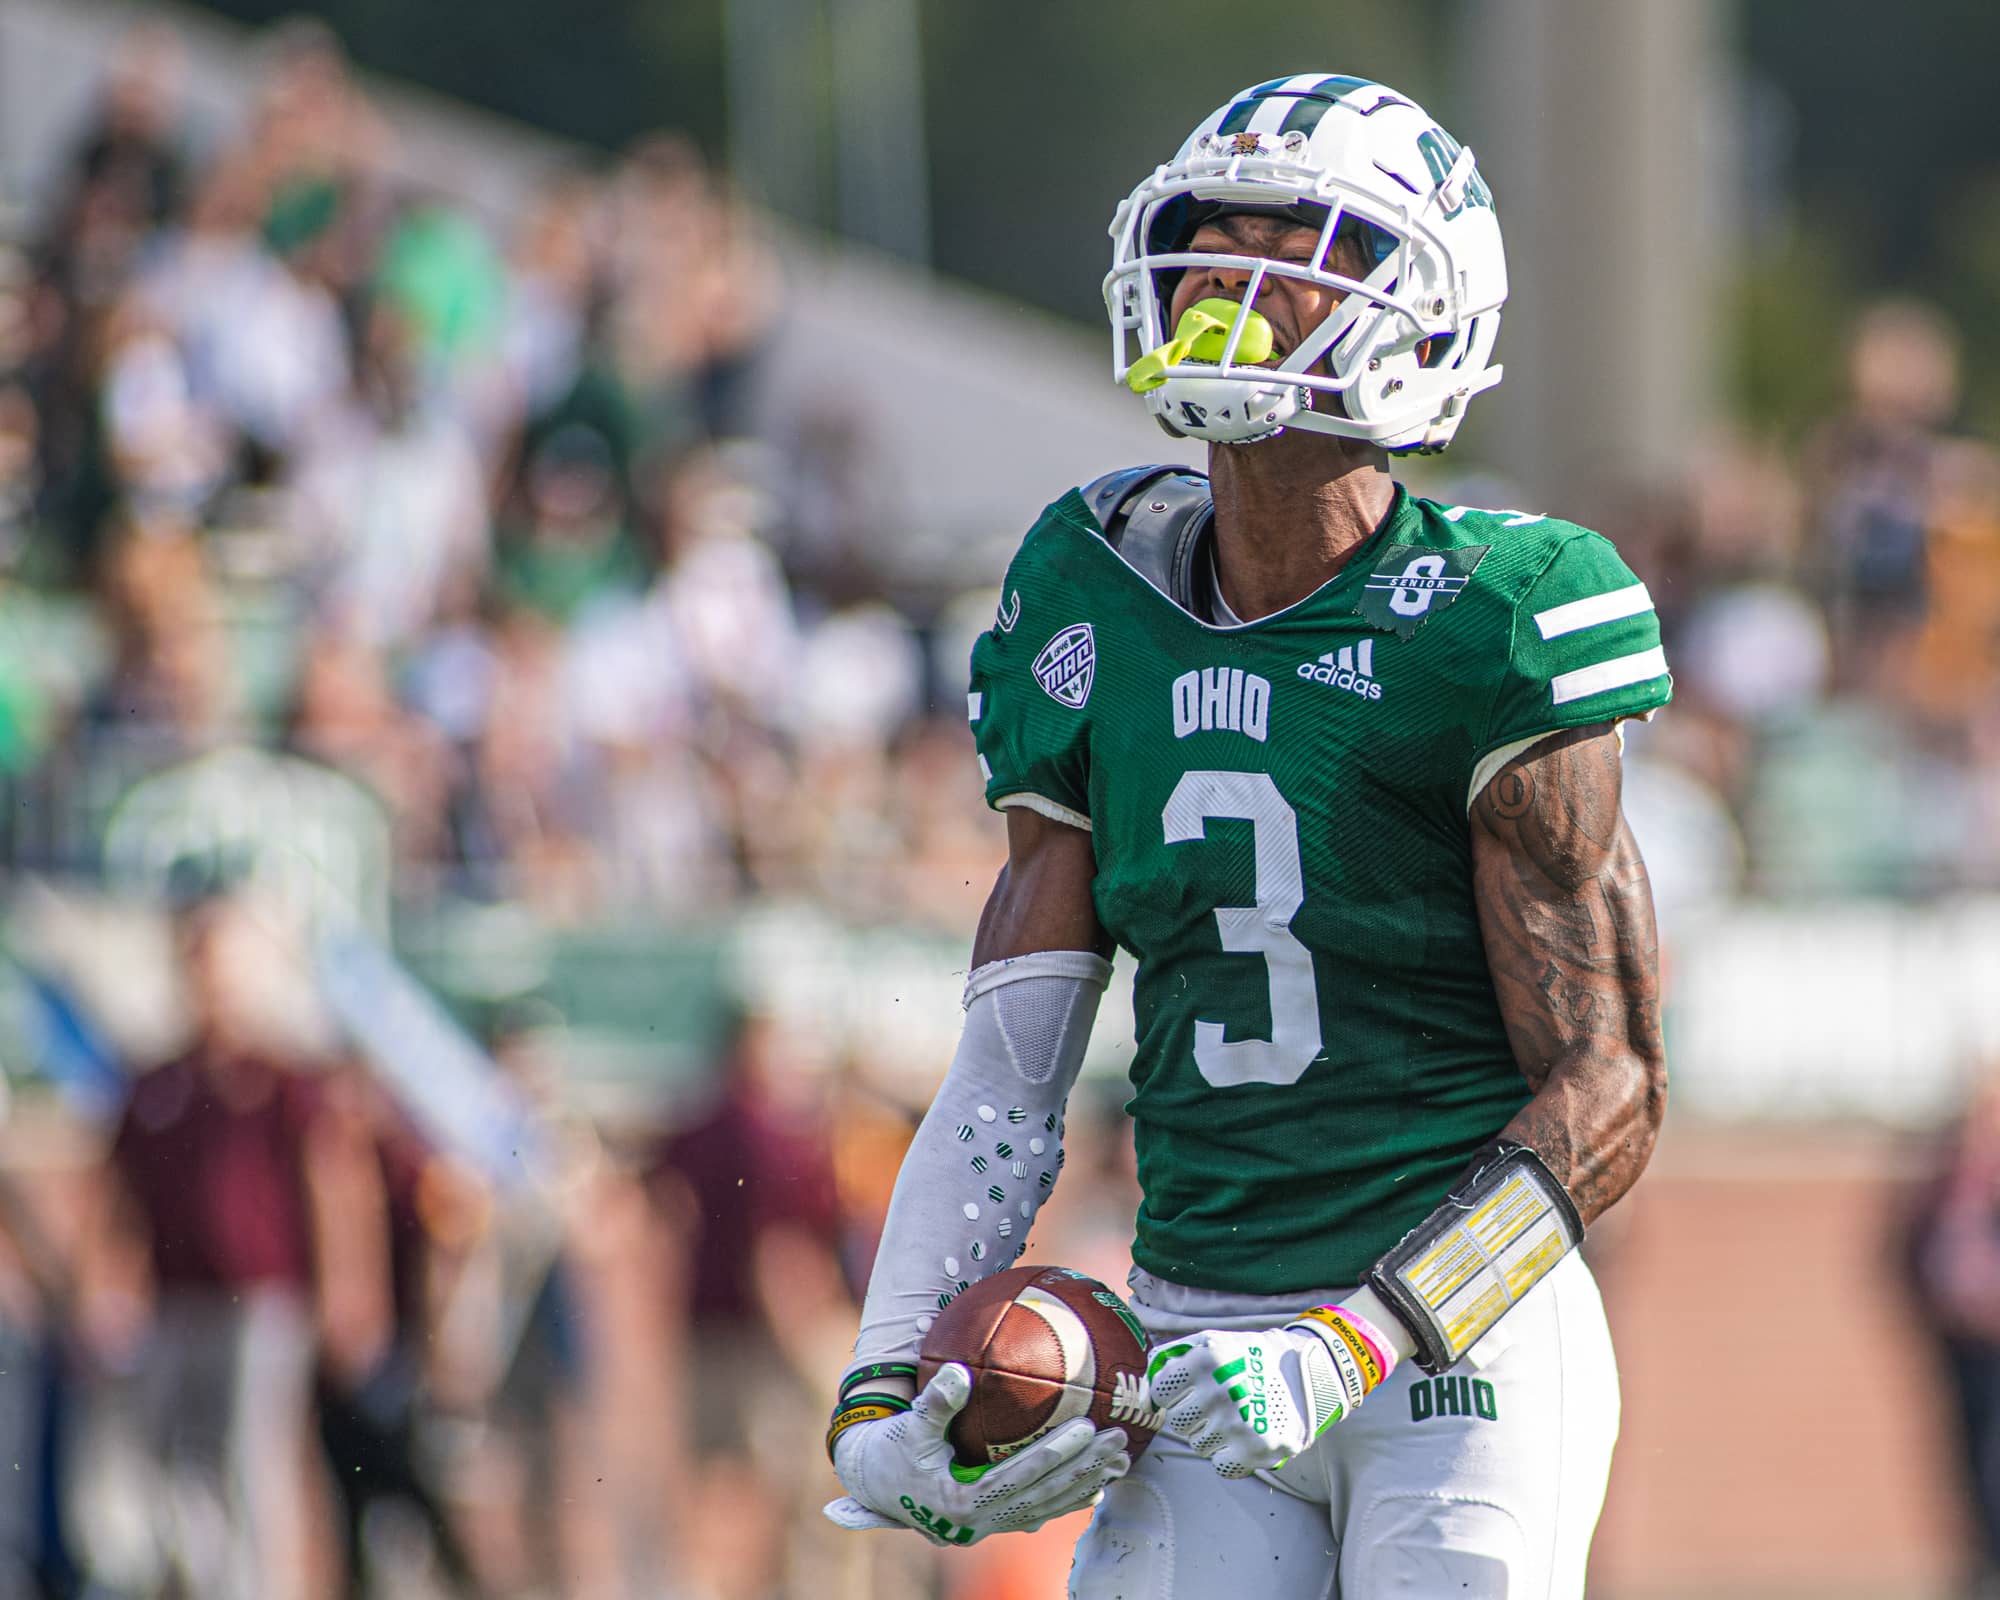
x=1203, y=334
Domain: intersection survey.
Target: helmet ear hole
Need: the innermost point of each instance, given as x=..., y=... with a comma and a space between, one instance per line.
x=1467, y=342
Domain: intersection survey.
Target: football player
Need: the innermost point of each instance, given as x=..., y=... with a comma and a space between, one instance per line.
x=1339, y=766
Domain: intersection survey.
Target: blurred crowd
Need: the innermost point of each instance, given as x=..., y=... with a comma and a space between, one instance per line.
x=301, y=460
x=307, y=457
x=1831, y=611
x=268, y=1334
x=295, y=454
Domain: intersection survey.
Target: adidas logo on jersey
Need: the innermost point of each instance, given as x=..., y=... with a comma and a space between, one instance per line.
x=1352, y=669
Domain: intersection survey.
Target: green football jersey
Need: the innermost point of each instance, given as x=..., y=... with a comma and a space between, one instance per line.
x=1279, y=815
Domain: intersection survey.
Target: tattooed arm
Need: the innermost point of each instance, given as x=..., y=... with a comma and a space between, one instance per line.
x=1567, y=914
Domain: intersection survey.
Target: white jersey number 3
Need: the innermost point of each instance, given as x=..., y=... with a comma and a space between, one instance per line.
x=1263, y=929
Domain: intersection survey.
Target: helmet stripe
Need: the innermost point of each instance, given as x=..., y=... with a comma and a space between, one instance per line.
x=1237, y=120
x=1317, y=101
x=1305, y=115
x=1273, y=113
x=1305, y=100
x=1239, y=115
x=1339, y=87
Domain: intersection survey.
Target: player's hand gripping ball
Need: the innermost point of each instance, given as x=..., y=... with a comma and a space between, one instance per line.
x=1033, y=1398
x=899, y=1473
x=1251, y=1401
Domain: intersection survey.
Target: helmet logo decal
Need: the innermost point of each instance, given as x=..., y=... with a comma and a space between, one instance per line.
x=1441, y=152
x=1068, y=665
x=1246, y=144
x=1411, y=583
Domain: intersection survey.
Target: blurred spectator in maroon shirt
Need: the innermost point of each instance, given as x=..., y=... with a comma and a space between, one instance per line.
x=262, y=1213
x=749, y=1183
x=756, y=1162
x=370, y=1416
x=210, y=1150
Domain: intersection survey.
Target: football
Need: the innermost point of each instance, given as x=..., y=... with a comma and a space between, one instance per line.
x=1044, y=1345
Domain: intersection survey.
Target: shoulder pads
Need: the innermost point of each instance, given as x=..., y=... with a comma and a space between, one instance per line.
x=1155, y=517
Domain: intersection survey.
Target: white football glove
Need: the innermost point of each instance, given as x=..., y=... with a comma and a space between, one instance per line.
x=1252, y=1401
x=899, y=1472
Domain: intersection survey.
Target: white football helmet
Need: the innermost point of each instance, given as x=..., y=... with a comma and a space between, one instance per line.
x=1409, y=344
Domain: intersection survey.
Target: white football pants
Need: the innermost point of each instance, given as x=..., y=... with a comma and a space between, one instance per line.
x=1481, y=1484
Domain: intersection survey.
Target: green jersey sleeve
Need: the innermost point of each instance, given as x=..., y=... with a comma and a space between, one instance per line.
x=1031, y=733
x=1584, y=648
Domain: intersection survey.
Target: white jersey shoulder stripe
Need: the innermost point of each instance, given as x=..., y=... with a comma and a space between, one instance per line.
x=1594, y=609
x=1613, y=674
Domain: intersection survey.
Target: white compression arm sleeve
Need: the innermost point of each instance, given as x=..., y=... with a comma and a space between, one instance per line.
x=987, y=1153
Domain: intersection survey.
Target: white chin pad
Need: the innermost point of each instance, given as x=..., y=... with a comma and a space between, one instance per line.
x=1224, y=410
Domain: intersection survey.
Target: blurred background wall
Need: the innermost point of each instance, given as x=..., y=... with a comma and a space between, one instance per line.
x=494, y=505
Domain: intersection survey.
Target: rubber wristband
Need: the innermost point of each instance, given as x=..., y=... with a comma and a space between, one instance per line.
x=874, y=1372
x=871, y=1399
x=876, y=1409
x=895, y=1402
x=1369, y=1359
